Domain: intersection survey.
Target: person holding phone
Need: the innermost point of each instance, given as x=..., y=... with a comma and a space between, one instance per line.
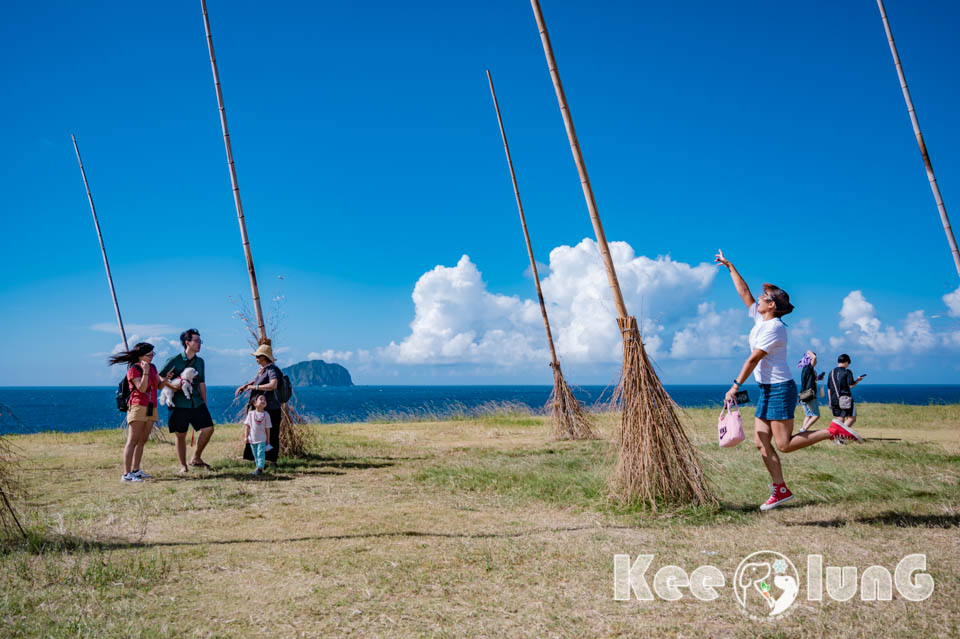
x=839, y=383
x=143, y=379
x=773, y=423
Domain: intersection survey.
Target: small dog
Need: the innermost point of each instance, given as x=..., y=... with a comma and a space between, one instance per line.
x=184, y=383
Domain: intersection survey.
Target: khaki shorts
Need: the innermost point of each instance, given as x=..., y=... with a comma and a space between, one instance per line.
x=138, y=413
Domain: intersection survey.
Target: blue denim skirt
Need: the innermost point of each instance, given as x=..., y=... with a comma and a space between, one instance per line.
x=777, y=401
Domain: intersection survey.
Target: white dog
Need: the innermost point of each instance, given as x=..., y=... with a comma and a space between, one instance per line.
x=184, y=383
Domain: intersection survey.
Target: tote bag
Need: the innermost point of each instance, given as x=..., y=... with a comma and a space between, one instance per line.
x=730, y=426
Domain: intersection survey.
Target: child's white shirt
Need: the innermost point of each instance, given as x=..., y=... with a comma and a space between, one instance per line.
x=258, y=422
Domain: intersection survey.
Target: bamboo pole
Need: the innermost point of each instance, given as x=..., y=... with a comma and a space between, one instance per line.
x=581, y=166
x=103, y=250
x=523, y=223
x=255, y=291
x=947, y=229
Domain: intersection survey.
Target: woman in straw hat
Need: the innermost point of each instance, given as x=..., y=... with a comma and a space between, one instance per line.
x=773, y=424
x=265, y=383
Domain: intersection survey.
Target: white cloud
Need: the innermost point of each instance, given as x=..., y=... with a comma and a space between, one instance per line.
x=142, y=329
x=862, y=327
x=711, y=334
x=457, y=320
x=331, y=355
x=952, y=300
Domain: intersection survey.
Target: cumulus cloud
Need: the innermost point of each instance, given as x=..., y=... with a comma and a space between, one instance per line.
x=457, y=320
x=863, y=328
x=952, y=300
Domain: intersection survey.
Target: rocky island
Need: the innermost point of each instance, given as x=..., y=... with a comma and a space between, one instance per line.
x=317, y=372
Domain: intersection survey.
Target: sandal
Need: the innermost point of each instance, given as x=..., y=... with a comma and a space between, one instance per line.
x=201, y=464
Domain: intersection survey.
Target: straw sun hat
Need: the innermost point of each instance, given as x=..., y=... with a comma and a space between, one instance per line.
x=266, y=351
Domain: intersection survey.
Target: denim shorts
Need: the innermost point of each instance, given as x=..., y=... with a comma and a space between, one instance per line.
x=811, y=408
x=777, y=401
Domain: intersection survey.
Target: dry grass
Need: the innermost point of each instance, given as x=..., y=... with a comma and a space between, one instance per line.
x=474, y=527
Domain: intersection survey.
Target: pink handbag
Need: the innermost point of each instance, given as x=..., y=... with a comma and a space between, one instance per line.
x=730, y=426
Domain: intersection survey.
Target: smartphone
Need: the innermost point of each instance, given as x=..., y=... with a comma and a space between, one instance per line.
x=862, y=375
x=741, y=397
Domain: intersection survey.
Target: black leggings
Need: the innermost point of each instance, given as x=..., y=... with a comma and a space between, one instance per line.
x=275, y=416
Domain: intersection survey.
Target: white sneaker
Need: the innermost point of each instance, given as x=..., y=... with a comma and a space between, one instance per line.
x=129, y=477
x=141, y=474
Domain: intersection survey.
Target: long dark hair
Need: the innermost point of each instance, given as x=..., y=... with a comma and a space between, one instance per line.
x=132, y=356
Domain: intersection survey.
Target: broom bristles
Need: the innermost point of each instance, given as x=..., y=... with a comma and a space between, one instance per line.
x=657, y=464
x=569, y=419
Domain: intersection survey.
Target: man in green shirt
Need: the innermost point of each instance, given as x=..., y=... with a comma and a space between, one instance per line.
x=189, y=411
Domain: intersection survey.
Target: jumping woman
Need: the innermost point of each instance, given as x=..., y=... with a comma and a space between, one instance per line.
x=773, y=424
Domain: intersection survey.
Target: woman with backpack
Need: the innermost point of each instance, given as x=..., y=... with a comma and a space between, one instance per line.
x=143, y=380
x=266, y=383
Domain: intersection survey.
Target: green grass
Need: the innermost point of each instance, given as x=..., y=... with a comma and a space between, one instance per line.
x=477, y=526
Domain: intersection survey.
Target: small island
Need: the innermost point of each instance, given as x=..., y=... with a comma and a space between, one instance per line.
x=317, y=372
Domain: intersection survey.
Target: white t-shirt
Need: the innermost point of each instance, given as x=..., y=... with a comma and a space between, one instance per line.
x=770, y=336
x=259, y=423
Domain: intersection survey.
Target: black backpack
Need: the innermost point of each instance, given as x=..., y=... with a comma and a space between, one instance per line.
x=284, y=388
x=124, y=391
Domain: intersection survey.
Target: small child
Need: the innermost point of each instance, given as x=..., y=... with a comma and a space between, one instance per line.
x=256, y=430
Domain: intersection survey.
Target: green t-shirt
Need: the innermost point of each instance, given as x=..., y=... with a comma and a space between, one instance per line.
x=177, y=364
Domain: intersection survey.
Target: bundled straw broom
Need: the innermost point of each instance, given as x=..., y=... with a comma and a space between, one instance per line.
x=9, y=486
x=656, y=462
x=569, y=420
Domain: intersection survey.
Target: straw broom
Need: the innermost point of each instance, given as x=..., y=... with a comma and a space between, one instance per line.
x=656, y=462
x=291, y=443
x=951, y=240
x=569, y=420
x=157, y=432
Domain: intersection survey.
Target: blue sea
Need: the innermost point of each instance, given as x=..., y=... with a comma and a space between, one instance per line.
x=34, y=409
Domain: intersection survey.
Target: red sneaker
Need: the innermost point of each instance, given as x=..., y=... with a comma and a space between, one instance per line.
x=780, y=495
x=841, y=432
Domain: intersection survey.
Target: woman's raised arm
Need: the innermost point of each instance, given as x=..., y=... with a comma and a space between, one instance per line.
x=742, y=289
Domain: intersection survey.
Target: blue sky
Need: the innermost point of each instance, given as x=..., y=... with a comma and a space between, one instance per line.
x=368, y=155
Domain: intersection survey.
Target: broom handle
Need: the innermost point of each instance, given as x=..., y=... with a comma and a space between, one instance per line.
x=103, y=250
x=233, y=180
x=923, y=147
x=581, y=167
x=523, y=223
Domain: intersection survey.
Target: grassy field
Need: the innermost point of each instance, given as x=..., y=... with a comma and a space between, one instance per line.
x=474, y=527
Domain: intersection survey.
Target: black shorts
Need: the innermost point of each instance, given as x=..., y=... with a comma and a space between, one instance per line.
x=839, y=412
x=181, y=418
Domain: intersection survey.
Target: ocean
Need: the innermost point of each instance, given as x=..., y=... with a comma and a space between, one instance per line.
x=69, y=409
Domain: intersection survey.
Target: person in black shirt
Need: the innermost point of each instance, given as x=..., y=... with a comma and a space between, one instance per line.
x=839, y=383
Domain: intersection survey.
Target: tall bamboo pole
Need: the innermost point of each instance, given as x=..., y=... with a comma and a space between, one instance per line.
x=569, y=420
x=255, y=291
x=523, y=223
x=103, y=250
x=951, y=240
x=581, y=166
x=656, y=462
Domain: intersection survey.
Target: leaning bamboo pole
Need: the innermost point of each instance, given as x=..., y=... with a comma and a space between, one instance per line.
x=157, y=432
x=951, y=240
x=569, y=420
x=656, y=462
x=255, y=291
x=103, y=250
